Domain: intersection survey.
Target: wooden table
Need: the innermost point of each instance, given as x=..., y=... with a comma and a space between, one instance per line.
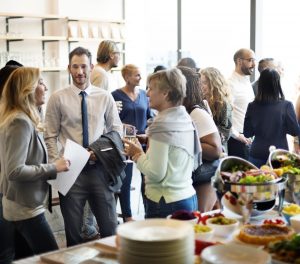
x=103, y=248
x=107, y=246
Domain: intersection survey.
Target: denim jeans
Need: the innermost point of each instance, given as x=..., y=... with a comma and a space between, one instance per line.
x=163, y=209
x=125, y=191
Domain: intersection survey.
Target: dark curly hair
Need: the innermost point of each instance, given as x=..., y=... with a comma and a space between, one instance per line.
x=193, y=91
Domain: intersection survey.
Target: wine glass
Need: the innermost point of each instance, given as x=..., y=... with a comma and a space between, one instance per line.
x=129, y=133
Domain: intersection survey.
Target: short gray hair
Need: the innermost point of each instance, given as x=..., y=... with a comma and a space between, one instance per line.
x=171, y=81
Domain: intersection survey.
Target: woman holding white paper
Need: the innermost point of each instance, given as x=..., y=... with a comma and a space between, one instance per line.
x=23, y=159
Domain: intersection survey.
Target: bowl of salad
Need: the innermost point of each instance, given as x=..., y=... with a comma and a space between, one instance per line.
x=247, y=190
x=287, y=164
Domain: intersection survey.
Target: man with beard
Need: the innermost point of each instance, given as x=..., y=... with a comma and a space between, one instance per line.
x=108, y=57
x=82, y=112
x=242, y=95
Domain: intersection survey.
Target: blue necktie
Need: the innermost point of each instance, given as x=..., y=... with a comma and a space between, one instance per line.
x=85, y=124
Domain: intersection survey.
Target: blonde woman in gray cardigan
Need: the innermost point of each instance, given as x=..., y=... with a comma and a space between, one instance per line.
x=23, y=159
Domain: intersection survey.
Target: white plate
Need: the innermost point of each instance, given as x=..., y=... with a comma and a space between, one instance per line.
x=155, y=230
x=235, y=254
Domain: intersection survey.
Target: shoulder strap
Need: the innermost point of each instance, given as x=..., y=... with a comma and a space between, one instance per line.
x=194, y=107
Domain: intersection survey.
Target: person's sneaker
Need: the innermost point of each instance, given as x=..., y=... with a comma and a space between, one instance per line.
x=95, y=237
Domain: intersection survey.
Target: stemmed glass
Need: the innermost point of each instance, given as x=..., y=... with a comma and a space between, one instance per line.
x=129, y=133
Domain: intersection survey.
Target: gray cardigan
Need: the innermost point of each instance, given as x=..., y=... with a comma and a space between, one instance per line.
x=23, y=159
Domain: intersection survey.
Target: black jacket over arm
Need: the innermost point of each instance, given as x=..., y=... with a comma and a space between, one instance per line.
x=109, y=152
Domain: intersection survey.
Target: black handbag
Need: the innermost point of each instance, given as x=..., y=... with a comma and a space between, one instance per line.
x=205, y=172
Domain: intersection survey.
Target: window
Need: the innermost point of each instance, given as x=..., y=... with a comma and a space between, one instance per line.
x=161, y=37
x=279, y=40
x=212, y=31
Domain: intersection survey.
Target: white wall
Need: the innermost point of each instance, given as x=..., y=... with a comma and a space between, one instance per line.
x=94, y=9
x=28, y=6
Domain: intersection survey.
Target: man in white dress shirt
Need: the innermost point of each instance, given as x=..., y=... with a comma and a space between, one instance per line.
x=242, y=95
x=82, y=112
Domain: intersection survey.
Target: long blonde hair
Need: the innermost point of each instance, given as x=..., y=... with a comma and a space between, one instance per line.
x=18, y=96
x=219, y=92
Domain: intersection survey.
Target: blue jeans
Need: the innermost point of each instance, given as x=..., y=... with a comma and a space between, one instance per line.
x=257, y=162
x=125, y=192
x=90, y=186
x=163, y=209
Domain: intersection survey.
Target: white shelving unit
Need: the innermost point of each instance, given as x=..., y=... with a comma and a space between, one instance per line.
x=72, y=30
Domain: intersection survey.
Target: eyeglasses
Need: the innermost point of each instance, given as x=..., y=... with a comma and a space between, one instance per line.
x=249, y=60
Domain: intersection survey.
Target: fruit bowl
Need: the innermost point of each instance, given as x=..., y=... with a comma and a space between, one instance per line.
x=288, y=164
x=184, y=215
x=252, y=199
x=290, y=210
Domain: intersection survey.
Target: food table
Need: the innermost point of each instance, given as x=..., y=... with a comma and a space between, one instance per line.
x=100, y=250
x=105, y=251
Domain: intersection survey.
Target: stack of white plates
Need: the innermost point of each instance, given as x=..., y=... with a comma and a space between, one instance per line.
x=161, y=241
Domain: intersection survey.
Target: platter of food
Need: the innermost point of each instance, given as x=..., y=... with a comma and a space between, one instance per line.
x=264, y=234
x=287, y=164
x=247, y=190
x=251, y=176
x=285, y=251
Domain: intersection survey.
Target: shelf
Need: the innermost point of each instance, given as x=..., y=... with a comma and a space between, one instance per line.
x=94, y=40
x=46, y=16
x=89, y=30
x=95, y=20
x=43, y=38
x=52, y=16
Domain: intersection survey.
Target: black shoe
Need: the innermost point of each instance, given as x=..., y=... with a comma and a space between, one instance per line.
x=95, y=237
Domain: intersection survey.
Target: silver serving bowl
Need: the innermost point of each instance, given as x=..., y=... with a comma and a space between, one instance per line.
x=251, y=199
x=293, y=180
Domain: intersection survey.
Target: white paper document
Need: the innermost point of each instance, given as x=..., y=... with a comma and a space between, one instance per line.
x=78, y=157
